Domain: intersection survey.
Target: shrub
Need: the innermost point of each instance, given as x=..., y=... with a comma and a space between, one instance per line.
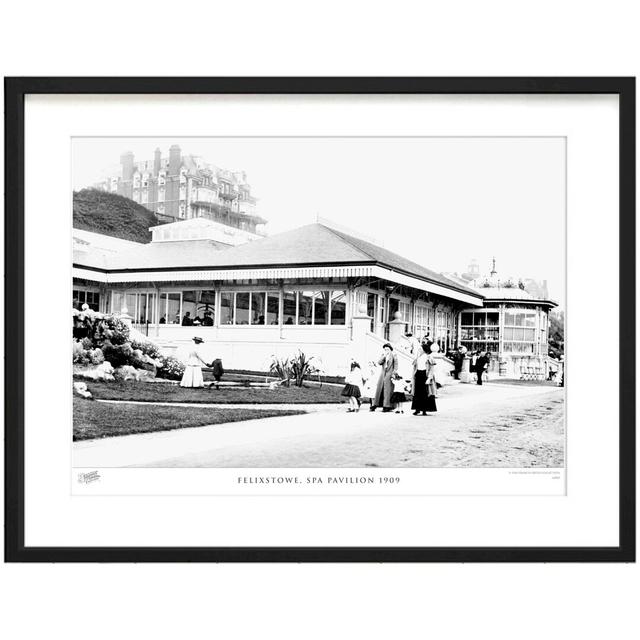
x=117, y=354
x=147, y=348
x=297, y=368
x=110, y=329
x=80, y=354
x=301, y=367
x=95, y=356
x=170, y=368
x=281, y=368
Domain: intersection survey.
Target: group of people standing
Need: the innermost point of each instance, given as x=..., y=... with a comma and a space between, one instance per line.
x=479, y=362
x=388, y=389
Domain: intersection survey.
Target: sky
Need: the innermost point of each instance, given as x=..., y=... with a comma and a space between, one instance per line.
x=437, y=201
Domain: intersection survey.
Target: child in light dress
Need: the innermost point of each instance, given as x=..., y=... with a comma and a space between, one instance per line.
x=400, y=388
x=353, y=386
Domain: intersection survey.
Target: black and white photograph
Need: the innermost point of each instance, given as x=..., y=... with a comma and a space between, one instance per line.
x=319, y=302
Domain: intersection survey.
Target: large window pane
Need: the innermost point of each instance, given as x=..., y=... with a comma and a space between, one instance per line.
x=93, y=300
x=172, y=301
x=151, y=308
x=492, y=333
x=519, y=347
x=467, y=318
x=257, y=308
x=518, y=334
x=207, y=307
x=130, y=300
x=530, y=320
x=371, y=305
x=242, y=308
x=338, y=307
x=492, y=319
x=289, y=307
x=189, y=307
x=509, y=319
x=226, y=307
x=273, y=308
x=529, y=334
x=467, y=333
x=479, y=319
x=321, y=302
x=305, y=306
x=117, y=301
x=141, y=312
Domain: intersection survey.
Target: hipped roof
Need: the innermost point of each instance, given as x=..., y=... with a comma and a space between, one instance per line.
x=310, y=245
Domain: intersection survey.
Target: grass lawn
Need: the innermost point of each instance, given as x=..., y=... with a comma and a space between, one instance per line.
x=243, y=373
x=161, y=392
x=102, y=420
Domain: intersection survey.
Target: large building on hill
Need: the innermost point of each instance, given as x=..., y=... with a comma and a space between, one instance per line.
x=181, y=187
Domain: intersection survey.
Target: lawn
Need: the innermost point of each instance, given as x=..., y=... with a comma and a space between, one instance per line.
x=102, y=420
x=164, y=392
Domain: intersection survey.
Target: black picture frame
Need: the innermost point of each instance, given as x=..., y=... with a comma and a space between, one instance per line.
x=15, y=91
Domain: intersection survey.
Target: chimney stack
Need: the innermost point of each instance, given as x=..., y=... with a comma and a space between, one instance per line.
x=157, y=158
x=175, y=160
x=126, y=160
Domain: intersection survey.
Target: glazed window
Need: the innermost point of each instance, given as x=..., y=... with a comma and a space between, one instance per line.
x=338, y=307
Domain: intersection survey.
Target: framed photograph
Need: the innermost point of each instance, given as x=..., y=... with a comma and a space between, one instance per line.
x=320, y=319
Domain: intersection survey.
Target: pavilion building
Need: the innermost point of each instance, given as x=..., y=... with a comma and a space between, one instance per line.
x=315, y=288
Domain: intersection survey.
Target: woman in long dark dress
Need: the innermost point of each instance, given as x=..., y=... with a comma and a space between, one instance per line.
x=384, y=389
x=424, y=394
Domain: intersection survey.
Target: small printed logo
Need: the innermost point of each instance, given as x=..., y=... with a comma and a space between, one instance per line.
x=87, y=477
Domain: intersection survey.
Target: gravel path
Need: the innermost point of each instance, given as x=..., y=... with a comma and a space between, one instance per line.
x=489, y=426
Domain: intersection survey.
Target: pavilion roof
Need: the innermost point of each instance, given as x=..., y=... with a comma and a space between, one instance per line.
x=313, y=245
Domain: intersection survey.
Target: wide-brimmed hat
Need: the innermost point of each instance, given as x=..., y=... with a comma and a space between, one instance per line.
x=197, y=340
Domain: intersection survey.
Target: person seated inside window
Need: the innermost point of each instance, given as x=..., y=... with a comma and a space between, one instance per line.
x=187, y=320
x=289, y=320
x=163, y=320
x=208, y=319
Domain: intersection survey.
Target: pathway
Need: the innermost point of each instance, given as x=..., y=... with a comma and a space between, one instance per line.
x=493, y=425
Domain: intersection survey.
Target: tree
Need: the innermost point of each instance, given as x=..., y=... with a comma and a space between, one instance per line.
x=556, y=334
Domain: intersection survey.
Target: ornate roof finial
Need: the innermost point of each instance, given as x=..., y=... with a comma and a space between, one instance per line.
x=493, y=268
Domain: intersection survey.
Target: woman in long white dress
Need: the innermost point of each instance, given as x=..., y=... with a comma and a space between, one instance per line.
x=192, y=376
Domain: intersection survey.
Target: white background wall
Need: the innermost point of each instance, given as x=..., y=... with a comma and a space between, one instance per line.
x=295, y=601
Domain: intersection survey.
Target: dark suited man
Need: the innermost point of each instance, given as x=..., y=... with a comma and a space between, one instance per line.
x=458, y=360
x=482, y=364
